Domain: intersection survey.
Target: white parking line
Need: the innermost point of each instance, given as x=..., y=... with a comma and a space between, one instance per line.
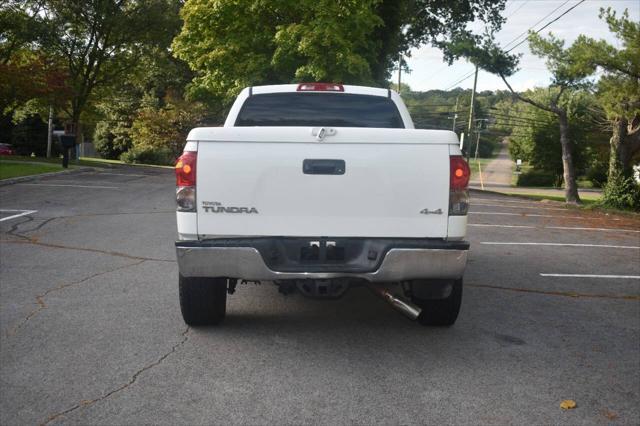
x=118, y=174
x=69, y=186
x=559, y=245
x=498, y=200
x=592, y=229
x=526, y=215
x=622, y=277
x=570, y=228
x=23, y=213
x=518, y=207
x=501, y=226
x=536, y=215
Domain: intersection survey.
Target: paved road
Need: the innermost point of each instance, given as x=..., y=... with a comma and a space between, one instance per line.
x=497, y=176
x=91, y=331
x=498, y=172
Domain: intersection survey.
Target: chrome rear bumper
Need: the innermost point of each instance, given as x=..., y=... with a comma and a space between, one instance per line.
x=399, y=264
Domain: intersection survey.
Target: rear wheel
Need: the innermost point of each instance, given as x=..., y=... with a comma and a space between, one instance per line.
x=203, y=301
x=439, y=300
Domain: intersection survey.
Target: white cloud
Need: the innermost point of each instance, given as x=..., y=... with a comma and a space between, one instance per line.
x=528, y=84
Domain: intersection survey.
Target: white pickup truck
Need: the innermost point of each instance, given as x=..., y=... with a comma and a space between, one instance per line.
x=318, y=187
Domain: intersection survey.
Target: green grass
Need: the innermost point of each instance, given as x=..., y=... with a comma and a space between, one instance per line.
x=589, y=200
x=53, y=160
x=102, y=162
x=586, y=198
x=473, y=165
x=84, y=161
x=10, y=169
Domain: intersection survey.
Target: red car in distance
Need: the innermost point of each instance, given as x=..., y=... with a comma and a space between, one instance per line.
x=6, y=149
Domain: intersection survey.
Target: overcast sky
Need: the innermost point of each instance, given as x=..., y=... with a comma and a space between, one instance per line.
x=430, y=72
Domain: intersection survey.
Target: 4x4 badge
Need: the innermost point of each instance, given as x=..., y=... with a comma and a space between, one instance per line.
x=427, y=211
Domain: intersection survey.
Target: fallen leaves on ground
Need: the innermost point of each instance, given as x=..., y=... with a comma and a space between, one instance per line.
x=568, y=404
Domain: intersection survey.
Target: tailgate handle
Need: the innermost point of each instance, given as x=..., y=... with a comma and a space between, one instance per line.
x=323, y=167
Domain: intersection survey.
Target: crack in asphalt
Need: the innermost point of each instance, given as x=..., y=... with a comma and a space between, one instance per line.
x=558, y=293
x=35, y=241
x=88, y=402
x=40, y=298
x=25, y=239
x=115, y=214
x=39, y=227
x=14, y=228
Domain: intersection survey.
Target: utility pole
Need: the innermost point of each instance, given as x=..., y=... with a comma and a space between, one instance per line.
x=480, y=126
x=473, y=96
x=455, y=114
x=50, y=131
x=399, y=70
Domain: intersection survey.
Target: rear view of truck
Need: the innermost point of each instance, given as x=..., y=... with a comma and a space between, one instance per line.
x=318, y=188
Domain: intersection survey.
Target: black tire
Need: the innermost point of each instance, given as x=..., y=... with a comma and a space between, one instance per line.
x=441, y=312
x=203, y=301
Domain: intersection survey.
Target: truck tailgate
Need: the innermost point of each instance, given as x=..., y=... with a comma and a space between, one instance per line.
x=394, y=183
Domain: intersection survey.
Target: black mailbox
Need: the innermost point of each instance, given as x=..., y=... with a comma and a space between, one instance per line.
x=68, y=141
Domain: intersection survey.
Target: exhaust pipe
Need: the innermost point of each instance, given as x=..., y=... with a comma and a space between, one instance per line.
x=407, y=308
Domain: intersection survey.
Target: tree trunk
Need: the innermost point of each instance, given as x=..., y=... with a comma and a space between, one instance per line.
x=570, y=186
x=617, y=155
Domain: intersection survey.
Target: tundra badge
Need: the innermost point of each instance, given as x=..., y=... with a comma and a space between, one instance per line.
x=216, y=207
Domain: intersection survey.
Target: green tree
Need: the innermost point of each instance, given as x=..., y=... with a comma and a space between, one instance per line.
x=568, y=76
x=101, y=41
x=534, y=132
x=29, y=79
x=158, y=77
x=158, y=134
x=619, y=87
x=232, y=44
x=20, y=26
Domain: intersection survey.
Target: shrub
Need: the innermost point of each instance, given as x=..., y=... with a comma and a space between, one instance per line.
x=486, y=148
x=621, y=193
x=149, y=155
x=158, y=134
x=597, y=174
x=110, y=140
x=30, y=135
x=539, y=178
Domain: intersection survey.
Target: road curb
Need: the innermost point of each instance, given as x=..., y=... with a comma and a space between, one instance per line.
x=11, y=181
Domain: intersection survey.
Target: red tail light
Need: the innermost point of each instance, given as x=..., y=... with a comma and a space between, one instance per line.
x=186, y=169
x=320, y=87
x=460, y=173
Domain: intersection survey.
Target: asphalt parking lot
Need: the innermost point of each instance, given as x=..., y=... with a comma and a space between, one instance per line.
x=91, y=331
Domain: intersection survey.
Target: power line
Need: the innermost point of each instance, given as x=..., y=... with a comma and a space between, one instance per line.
x=434, y=105
x=528, y=114
x=507, y=117
x=548, y=23
x=435, y=114
x=469, y=76
x=525, y=32
x=515, y=11
x=461, y=80
x=539, y=21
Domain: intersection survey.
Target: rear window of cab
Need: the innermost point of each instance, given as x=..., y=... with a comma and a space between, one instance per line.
x=319, y=109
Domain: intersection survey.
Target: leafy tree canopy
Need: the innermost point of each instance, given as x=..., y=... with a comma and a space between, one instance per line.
x=232, y=44
x=619, y=87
